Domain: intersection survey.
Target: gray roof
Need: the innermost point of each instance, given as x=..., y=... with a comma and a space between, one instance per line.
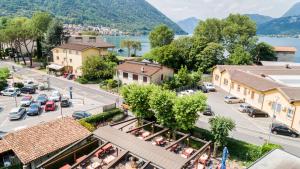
x=156, y=155
x=277, y=159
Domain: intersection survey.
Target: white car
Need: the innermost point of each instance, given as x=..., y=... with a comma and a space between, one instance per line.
x=209, y=86
x=186, y=92
x=26, y=101
x=55, y=96
x=17, y=113
x=43, y=86
x=233, y=100
x=11, y=92
x=30, y=83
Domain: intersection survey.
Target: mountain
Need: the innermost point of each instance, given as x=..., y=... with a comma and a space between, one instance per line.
x=188, y=24
x=285, y=25
x=126, y=15
x=293, y=11
x=259, y=19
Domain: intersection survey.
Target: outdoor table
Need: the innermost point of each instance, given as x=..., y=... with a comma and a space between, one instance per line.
x=159, y=140
x=107, y=147
x=93, y=165
x=109, y=159
x=174, y=147
x=187, y=152
x=97, y=154
x=146, y=134
x=203, y=159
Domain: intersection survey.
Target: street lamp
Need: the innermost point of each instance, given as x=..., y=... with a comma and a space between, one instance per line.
x=273, y=118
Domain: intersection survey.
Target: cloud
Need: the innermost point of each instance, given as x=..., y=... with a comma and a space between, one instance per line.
x=180, y=9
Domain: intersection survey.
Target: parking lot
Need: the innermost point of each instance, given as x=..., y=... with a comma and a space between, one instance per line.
x=77, y=103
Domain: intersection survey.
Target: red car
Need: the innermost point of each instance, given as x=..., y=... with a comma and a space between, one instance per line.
x=50, y=106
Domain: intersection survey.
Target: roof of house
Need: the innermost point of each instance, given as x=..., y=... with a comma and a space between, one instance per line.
x=253, y=81
x=96, y=41
x=137, y=67
x=98, y=44
x=34, y=142
x=277, y=159
x=4, y=147
x=75, y=46
x=291, y=93
x=141, y=148
x=284, y=49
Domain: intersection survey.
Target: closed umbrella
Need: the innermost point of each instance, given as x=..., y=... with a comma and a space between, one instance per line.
x=224, y=157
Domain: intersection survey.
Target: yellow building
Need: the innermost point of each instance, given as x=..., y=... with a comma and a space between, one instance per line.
x=273, y=89
x=70, y=57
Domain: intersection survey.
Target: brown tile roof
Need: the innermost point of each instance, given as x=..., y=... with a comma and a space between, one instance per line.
x=98, y=44
x=284, y=49
x=73, y=46
x=253, y=81
x=136, y=67
x=32, y=143
x=4, y=146
x=291, y=93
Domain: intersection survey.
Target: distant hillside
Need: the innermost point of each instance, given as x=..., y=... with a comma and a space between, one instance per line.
x=293, y=11
x=259, y=19
x=286, y=25
x=126, y=15
x=188, y=24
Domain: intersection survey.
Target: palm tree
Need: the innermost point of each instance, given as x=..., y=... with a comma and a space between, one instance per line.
x=127, y=44
x=136, y=45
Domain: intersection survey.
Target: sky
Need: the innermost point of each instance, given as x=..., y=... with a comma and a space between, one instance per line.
x=202, y=9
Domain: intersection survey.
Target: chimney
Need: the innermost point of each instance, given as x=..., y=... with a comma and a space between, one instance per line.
x=142, y=69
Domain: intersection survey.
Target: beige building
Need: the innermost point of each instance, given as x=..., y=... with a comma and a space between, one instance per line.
x=273, y=89
x=285, y=54
x=70, y=57
x=142, y=73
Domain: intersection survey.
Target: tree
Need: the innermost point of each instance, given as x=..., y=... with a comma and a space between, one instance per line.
x=127, y=44
x=263, y=52
x=210, y=29
x=160, y=36
x=182, y=77
x=211, y=55
x=240, y=57
x=186, y=110
x=220, y=128
x=137, y=46
x=54, y=34
x=95, y=68
x=4, y=74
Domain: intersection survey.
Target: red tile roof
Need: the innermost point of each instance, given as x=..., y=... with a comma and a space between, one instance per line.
x=34, y=142
x=284, y=49
x=4, y=147
x=136, y=67
x=73, y=46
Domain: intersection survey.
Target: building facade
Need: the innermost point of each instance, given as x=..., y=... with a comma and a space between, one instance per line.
x=258, y=87
x=285, y=54
x=142, y=73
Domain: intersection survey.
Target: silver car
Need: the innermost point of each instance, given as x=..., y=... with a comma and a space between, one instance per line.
x=26, y=101
x=233, y=100
x=17, y=113
x=244, y=108
x=11, y=92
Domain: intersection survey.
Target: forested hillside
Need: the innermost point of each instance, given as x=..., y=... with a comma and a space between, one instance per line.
x=126, y=15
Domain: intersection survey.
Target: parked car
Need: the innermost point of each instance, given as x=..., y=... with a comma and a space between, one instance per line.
x=80, y=114
x=43, y=86
x=283, y=130
x=50, y=106
x=11, y=92
x=28, y=89
x=70, y=77
x=257, y=113
x=208, y=111
x=203, y=89
x=17, y=113
x=209, y=86
x=30, y=83
x=233, y=99
x=244, y=108
x=42, y=99
x=186, y=92
x=65, y=102
x=34, y=109
x=26, y=101
x=55, y=96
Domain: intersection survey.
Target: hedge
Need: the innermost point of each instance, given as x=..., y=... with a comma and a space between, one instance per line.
x=238, y=150
x=101, y=117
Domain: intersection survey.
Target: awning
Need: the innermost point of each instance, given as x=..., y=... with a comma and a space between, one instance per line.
x=55, y=66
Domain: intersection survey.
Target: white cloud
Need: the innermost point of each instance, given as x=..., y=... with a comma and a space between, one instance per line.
x=180, y=9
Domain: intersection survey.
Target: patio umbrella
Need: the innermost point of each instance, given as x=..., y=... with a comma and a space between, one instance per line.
x=224, y=158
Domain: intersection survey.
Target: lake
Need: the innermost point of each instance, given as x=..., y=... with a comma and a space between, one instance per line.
x=274, y=41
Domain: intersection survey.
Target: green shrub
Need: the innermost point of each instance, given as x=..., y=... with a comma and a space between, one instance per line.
x=82, y=80
x=18, y=85
x=3, y=84
x=87, y=125
x=101, y=117
x=269, y=147
x=119, y=117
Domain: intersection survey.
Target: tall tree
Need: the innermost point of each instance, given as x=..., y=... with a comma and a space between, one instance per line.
x=160, y=36
x=210, y=29
x=263, y=52
x=186, y=110
x=137, y=46
x=127, y=44
x=220, y=128
x=54, y=34
x=240, y=57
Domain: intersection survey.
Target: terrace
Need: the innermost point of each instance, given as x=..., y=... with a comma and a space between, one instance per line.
x=123, y=145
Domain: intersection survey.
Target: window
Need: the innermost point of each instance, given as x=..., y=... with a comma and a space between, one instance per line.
x=70, y=60
x=135, y=77
x=232, y=85
x=239, y=88
x=278, y=108
x=57, y=57
x=260, y=98
x=252, y=94
x=162, y=77
x=125, y=75
x=225, y=82
x=216, y=77
x=245, y=91
x=290, y=113
x=70, y=52
x=145, y=79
